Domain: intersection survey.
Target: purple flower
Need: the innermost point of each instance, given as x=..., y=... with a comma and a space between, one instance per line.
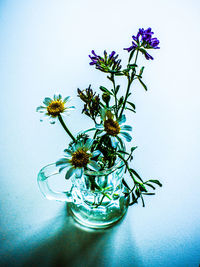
x=133, y=47
x=147, y=56
x=107, y=63
x=142, y=40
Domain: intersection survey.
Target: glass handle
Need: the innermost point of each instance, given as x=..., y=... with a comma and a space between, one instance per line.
x=43, y=176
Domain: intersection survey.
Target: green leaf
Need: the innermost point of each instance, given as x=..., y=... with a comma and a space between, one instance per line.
x=131, y=55
x=132, y=105
x=134, y=200
x=131, y=66
x=149, y=194
x=133, y=148
x=105, y=90
x=136, y=174
x=143, y=188
x=150, y=185
x=119, y=73
x=121, y=100
x=142, y=201
x=145, y=87
x=131, y=110
x=123, y=152
x=138, y=193
x=124, y=183
x=155, y=182
x=141, y=71
x=117, y=89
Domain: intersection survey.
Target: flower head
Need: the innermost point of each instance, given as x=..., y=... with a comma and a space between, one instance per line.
x=113, y=127
x=91, y=100
x=77, y=158
x=143, y=40
x=54, y=107
x=107, y=63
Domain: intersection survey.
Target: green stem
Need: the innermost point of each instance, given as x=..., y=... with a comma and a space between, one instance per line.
x=126, y=96
x=95, y=134
x=114, y=88
x=128, y=87
x=126, y=164
x=65, y=127
x=136, y=56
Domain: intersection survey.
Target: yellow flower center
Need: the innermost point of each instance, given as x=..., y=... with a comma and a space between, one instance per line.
x=111, y=127
x=80, y=158
x=55, y=108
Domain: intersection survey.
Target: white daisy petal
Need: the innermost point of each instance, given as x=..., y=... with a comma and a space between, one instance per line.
x=69, y=173
x=79, y=172
x=41, y=109
x=57, y=97
x=101, y=133
x=67, y=99
x=122, y=119
x=52, y=120
x=47, y=100
x=114, y=141
x=126, y=128
x=78, y=145
x=62, y=168
x=99, y=126
x=126, y=136
x=62, y=161
x=68, y=151
x=93, y=165
x=88, y=143
x=103, y=113
x=96, y=153
x=70, y=108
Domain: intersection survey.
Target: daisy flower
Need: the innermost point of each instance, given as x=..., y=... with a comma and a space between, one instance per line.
x=113, y=127
x=77, y=158
x=54, y=107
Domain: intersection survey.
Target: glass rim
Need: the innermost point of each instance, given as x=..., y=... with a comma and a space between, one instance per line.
x=118, y=164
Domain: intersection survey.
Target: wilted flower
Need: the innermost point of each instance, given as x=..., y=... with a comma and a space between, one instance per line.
x=92, y=102
x=144, y=39
x=107, y=63
x=77, y=158
x=54, y=107
x=113, y=127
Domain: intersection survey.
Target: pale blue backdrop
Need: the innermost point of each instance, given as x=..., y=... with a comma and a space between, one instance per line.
x=44, y=49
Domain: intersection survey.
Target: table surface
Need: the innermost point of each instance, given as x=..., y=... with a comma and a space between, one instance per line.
x=44, y=49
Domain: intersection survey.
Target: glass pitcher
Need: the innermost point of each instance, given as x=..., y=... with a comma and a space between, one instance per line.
x=97, y=200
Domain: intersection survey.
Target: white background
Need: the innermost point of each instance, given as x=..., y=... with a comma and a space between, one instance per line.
x=44, y=49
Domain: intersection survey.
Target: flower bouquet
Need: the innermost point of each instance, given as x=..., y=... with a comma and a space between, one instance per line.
x=96, y=160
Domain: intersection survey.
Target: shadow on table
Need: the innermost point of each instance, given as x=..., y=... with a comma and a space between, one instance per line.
x=72, y=245
x=66, y=243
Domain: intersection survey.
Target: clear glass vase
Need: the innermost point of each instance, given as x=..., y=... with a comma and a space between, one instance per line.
x=95, y=200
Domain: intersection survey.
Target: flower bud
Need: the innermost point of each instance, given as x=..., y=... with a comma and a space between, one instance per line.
x=106, y=98
x=121, y=100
